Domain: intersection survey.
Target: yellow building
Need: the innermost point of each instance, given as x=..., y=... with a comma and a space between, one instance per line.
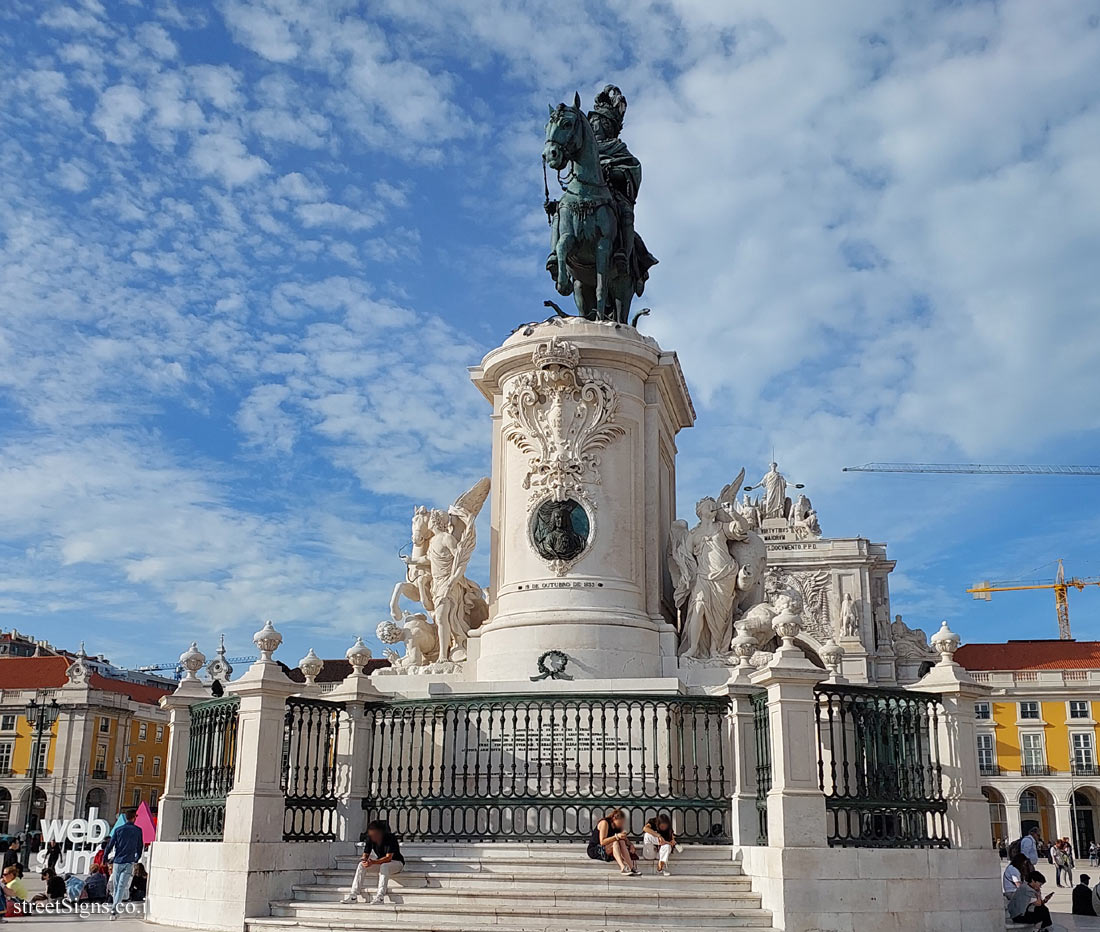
x=106, y=749
x=1037, y=737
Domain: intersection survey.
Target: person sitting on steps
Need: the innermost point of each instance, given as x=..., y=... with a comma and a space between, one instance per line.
x=609, y=842
x=659, y=842
x=1028, y=905
x=382, y=853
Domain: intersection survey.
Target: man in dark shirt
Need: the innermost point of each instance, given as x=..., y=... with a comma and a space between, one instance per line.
x=11, y=856
x=125, y=848
x=382, y=853
x=1082, y=898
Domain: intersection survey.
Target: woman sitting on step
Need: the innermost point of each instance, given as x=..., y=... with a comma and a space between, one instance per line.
x=609, y=842
x=659, y=842
x=382, y=853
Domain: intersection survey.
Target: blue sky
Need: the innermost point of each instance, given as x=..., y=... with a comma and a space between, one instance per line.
x=248, y=249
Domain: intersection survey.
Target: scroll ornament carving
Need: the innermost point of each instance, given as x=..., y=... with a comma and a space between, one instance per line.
x=561, y=416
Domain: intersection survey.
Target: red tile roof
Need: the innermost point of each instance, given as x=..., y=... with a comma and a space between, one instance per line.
x=49, y=673
x=33, y=672
x=1031, y=655
x=139, y=692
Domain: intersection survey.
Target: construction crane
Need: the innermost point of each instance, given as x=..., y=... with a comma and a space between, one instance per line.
x=984, y=591
x=177, y=668
x=977, y=469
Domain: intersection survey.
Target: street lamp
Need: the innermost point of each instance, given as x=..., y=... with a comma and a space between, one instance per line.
x=122, y=763
x=40, y=716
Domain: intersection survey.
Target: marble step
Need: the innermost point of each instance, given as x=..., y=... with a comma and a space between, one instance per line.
x=576, y=865
x=407, y=923
x=555, y=878
x=514, y=850
x=568, y=915
x=628, y=890
x=548, y=856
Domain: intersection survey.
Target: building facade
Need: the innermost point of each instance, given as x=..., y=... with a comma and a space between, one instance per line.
x=106, y=750
x=1037, y=737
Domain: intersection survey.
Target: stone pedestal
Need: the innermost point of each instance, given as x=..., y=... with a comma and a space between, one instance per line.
x=585, y=416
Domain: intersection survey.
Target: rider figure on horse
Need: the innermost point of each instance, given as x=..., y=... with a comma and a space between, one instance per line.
x=623, y=173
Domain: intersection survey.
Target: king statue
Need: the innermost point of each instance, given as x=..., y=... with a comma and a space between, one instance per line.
x=596, y=255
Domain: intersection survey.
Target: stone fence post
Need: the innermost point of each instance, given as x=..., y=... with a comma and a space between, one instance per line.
x=796, y=805
x=746, y=820
x=254, y=807
x=178, y=704
x=967, y=808
x=354, y=750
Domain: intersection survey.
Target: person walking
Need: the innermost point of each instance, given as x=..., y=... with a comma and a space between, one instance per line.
x=382, y=853
x=658, y=841
x=1029, y=847
x=127, y=844
x=1061, y=863
x=609, y=842
x=53, y=855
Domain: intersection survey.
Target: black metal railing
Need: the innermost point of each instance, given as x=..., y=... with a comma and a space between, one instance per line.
x=1035, y=770
x=211, y=767
x=99, y=773
x=548, y=767
x=762, y=738
x=311, y=731
x=989, y=770
x=879, y=767
x=1080, y=769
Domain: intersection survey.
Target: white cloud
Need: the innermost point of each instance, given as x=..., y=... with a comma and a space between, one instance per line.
x=71, y=176
x=297, y=187
x=328, y=214
x=266, y=33
x=156, y=39
x=119, y=108
x=224, y=156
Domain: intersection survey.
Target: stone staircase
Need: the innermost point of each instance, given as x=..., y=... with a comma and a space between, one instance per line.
x=529, y=888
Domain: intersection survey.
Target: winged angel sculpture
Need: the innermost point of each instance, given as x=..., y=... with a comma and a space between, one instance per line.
x=435, y=576
x=717, y=569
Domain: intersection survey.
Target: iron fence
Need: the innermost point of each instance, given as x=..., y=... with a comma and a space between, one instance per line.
x=211, y=767
x=548, y=767
x=761, y=727
x=879, y=767
x=311, y=731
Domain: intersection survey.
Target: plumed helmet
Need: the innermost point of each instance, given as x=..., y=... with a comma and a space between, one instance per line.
x=611, y=104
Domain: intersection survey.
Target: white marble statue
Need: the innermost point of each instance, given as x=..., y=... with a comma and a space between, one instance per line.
x=750, y=511
x=717, y=568
x=882, y=624
x=417, y=584
x=774, y=504
x=803, y=519
x=435, y=576
x=849, y=617
x=418, y=635
x=909, y=643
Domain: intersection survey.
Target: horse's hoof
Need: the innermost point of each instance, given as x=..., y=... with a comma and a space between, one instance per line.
x=565, y=289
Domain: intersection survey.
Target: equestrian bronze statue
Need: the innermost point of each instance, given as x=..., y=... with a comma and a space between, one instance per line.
x=595, y=254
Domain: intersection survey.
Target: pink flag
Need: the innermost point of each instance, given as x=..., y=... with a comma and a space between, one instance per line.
x=144, y=821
